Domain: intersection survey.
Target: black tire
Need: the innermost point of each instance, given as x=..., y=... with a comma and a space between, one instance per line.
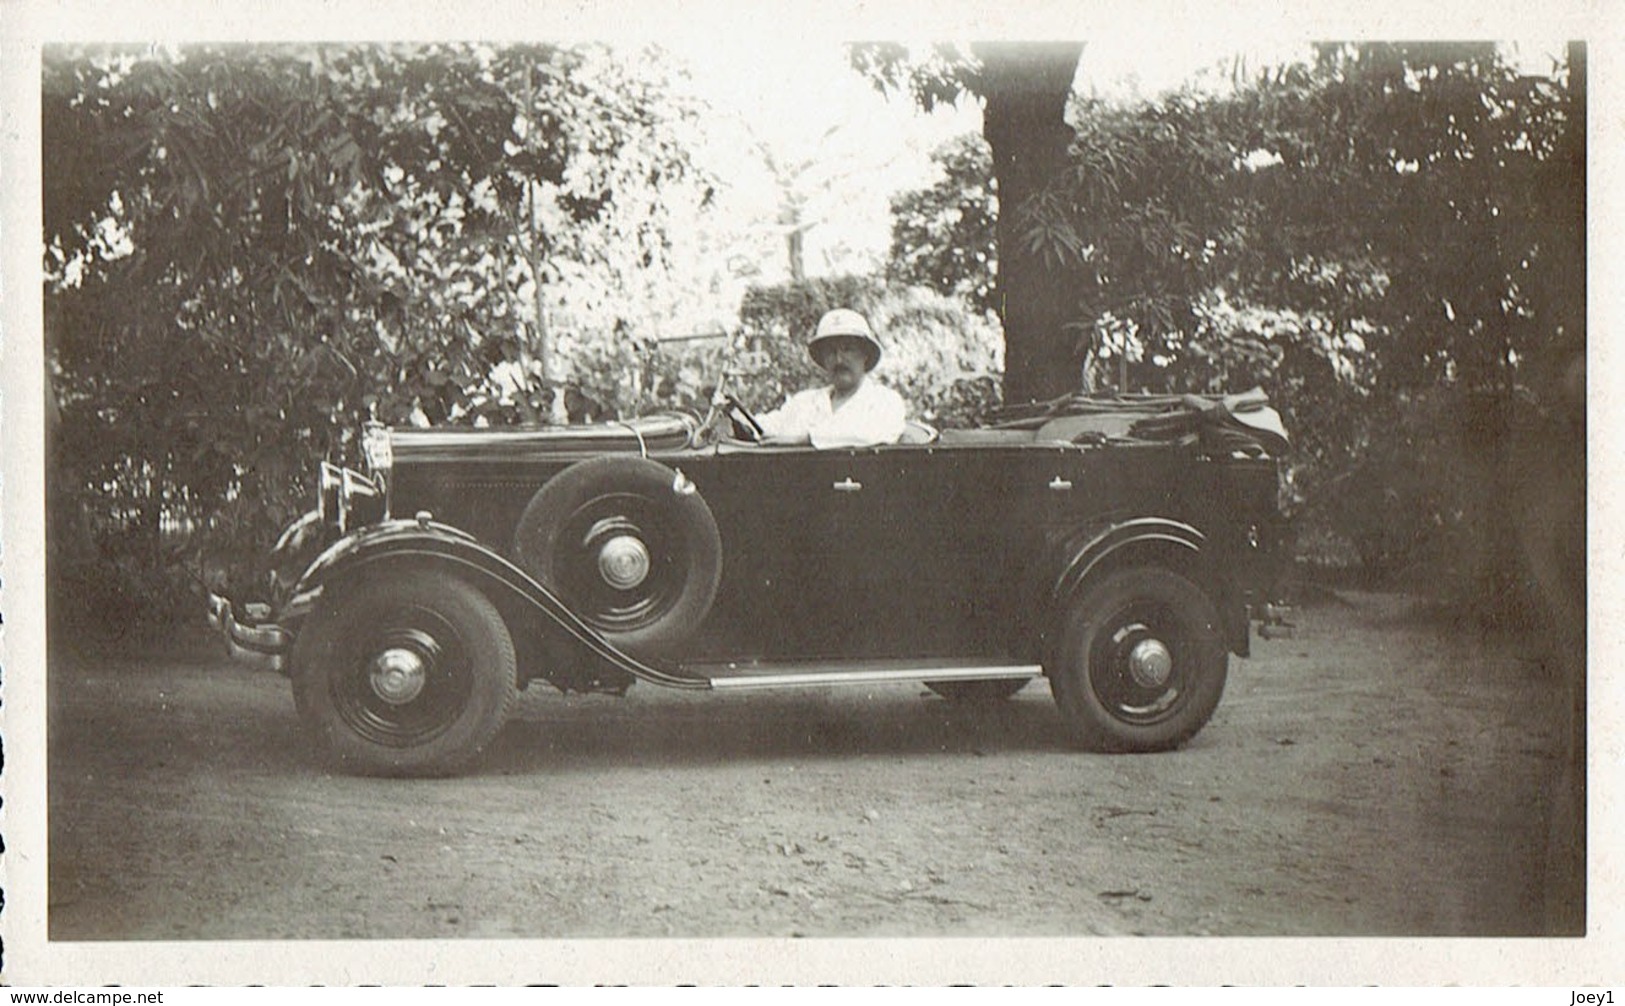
x=1141, y=663
x=978, y=693
x=647, y=516
x=409, y=673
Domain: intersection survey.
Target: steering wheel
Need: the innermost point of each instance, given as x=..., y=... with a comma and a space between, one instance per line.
x=744, y=423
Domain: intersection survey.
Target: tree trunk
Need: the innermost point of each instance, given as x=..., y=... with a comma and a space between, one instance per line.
x=794, y=246
x=1025, y=86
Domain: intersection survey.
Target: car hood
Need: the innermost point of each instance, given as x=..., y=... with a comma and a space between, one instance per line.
x=662, y=432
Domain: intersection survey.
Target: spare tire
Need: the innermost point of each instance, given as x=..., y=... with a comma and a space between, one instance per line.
x=629, y=545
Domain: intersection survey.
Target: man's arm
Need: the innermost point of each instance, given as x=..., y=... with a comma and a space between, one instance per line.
x=790, y=423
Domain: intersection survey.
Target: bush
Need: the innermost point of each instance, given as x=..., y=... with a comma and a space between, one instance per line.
x=1447, y=494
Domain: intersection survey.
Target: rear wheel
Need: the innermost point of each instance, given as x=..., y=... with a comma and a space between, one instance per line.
x=978, y=692
x=1141, y=663
x=406, y=674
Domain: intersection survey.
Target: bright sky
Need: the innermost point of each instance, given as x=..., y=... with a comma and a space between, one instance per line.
x=837, y=143
x=846, y=149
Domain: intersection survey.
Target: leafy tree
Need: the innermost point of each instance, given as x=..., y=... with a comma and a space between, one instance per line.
x=251, y=249
x=1427, y=193
x=1386, y=238
x=1477, y=211
x=943, y=235
x=1024, y=88
x=1434, y=172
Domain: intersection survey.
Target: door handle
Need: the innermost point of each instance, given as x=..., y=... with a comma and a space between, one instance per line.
x=846, y=485
x=1059, y=484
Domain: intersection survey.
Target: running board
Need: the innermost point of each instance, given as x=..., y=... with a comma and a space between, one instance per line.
x=808, y=675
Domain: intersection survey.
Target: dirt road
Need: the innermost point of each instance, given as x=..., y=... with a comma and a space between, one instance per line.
x=1373, y=776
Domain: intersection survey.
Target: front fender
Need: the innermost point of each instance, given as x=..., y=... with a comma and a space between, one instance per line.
x=426, y=542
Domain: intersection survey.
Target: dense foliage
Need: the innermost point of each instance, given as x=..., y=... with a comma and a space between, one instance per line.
x=943, y=235
x=1389, y=239
x=251, y=249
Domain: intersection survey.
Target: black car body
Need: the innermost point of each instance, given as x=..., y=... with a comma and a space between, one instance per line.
x=1118, y=546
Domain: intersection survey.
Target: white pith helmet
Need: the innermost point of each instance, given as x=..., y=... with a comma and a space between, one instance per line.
x=844, y=322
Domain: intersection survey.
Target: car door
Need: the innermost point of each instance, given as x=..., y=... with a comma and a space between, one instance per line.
x=941, y=542
x=980, y=514
x=886, y=552
x=875, y=539
x=803, y=531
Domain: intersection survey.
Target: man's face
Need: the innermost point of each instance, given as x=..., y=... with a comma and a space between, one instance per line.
x=843, y=358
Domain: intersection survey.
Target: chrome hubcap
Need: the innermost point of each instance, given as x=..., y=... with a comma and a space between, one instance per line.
x=398, y=675
x=1150, y=663
x=623, y=562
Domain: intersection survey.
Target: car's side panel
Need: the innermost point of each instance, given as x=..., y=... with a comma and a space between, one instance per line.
x=484, y=497
x=909, y=551
x=917, y=551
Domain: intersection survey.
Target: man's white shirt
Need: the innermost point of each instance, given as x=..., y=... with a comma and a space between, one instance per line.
x=875, y=414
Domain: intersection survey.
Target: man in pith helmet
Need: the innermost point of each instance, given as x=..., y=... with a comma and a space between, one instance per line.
x=852, y=411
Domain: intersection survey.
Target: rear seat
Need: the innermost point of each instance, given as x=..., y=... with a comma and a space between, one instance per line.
x=1066, y=429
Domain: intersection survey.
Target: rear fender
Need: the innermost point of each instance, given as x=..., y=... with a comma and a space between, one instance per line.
x=1092, y=547
x=423, y=543
x=1160, y=540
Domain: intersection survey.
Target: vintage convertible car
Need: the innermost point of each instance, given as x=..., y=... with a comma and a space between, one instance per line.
x=1119, y=547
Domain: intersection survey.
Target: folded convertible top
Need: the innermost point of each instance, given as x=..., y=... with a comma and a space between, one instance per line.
x=1245, y=422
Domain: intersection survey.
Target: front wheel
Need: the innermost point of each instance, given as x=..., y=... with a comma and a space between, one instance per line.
x=1141, y=663
x=405, y=674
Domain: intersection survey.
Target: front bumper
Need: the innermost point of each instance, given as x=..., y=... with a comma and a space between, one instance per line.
x=257, y=642
x=260, y=634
